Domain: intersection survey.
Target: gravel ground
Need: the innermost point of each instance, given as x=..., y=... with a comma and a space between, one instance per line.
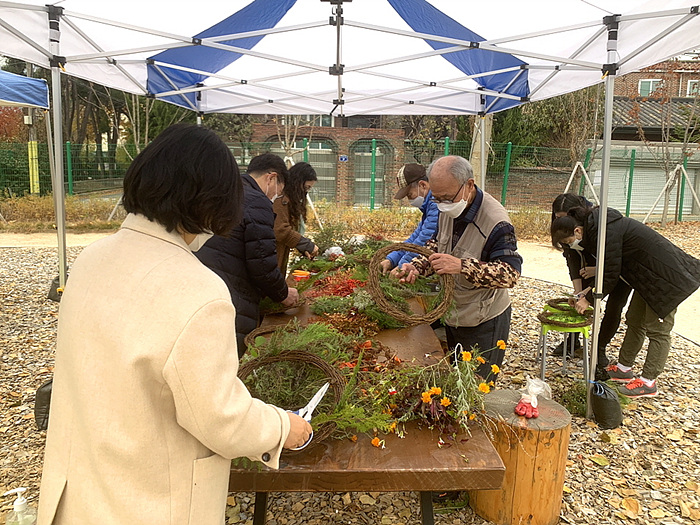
x=645, y=472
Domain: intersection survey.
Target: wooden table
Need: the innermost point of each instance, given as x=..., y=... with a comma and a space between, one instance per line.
x=414, y=463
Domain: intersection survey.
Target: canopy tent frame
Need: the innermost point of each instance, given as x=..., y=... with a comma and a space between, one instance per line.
x=385, y=101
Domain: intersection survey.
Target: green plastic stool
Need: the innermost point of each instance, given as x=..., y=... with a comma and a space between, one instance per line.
x=542, y=349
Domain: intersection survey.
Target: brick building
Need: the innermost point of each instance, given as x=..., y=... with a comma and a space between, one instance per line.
x=342, y=158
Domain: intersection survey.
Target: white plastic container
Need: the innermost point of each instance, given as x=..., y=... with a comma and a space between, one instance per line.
x=22, y=513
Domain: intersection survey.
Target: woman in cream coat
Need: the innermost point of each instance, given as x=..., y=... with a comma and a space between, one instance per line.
x=146, y=409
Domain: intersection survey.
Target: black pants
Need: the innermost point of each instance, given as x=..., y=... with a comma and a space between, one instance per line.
x=610, y=323
x=484, y=337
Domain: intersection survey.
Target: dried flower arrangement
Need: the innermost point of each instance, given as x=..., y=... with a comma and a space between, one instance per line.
x=380, y=393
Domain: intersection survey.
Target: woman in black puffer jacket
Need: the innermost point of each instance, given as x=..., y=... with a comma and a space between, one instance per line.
x=247, y=259
x=661, y=275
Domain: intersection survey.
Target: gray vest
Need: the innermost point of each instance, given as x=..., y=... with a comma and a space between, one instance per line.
x=473, y=305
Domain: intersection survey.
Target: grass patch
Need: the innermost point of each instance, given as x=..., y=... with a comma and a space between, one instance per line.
x=85, y=213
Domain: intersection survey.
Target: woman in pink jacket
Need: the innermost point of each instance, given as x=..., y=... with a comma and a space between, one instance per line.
x=146, y=409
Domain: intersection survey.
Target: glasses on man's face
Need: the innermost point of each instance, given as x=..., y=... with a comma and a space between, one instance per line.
x=446, y=201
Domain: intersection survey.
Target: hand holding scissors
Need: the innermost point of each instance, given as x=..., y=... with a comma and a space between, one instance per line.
x=308, y=410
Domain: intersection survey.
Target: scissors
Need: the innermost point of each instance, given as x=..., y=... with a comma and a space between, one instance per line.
x=309, y=409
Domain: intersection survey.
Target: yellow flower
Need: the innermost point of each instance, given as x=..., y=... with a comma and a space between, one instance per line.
x=472, y=416
x=466, y=356
x=445, y=402
x=491, y=383
x=495, y=369
x=435, y=391
x=501, y=344
x=483, y=387
x=392, y=427
x=481, y=360
x=425, y=396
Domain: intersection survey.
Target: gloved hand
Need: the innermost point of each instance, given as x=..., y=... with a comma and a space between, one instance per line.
x=524, y=408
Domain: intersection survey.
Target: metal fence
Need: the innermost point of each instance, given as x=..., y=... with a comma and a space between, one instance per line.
x=362, y=172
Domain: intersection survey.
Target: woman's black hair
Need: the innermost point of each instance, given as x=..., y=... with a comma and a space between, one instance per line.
x=186, y=179
x=299, y=174
x=566, y=201
x=563, y=227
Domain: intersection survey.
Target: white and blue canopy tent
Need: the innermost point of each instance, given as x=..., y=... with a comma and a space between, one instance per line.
x=24, y=92
x=21, y=91
x=351, y=57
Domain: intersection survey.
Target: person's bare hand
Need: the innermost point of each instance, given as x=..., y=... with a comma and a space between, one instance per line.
x=406, y=274
x=299, y=431
x=386, y=266
x=588, y=272
x=582, y=305
x=292, y=297
x=444, y=263
x=313, y=253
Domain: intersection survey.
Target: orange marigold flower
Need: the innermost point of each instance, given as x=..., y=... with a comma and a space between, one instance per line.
x=375, y=442
x=466, y=356
x=353, y=438
x=501, y=344
x=495, y=369
x=392, y=427
x=481, y=360
x=436, y=391
x=426, y=397
x=445, y=402
x=472, y=416
x=483, y=387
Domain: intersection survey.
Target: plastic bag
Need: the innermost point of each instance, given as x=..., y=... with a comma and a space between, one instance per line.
x=527, y=406
x=606, y=405
x=334, y=252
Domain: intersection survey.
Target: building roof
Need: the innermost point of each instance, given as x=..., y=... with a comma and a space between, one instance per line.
x=654, y=112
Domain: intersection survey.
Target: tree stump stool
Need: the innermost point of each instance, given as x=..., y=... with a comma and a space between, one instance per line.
x=534, y=452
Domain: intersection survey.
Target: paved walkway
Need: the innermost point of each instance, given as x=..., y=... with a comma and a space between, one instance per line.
x=541, y=261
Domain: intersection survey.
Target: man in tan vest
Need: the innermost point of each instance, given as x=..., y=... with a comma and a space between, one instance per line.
x=476, y=243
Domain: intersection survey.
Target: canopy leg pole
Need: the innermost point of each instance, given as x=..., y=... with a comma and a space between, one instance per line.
x=59, y=194
x=609, y=72
x=482, y=158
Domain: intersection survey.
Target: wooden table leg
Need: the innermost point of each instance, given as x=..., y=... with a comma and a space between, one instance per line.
x=426, y=508
x=260, y=512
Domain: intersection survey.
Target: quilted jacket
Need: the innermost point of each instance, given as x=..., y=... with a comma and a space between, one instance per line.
x=247, y=259
x=663, y=274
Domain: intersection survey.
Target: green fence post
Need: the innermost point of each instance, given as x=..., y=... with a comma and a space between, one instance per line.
x=506, y=171
x=306, y=150
x=69, y=167
x=447, y=146
x=373, y=174
x=682, y=190
x=586, y=163
x=629, y=184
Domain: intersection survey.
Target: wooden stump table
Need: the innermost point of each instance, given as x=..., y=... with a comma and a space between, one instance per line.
x=534, y=452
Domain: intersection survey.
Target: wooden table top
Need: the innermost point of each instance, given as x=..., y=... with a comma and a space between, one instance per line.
x=412, y=463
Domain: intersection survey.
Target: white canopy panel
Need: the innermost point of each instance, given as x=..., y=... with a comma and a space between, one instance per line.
x=398, y=56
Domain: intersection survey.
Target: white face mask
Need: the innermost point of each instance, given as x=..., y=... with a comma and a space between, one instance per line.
x=417, y=202
x=276, y=195
x=453, y=209
x=199, y=240
x=576, y=245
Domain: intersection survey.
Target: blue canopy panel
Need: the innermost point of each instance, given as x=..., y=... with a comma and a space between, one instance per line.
x=424, y=18
x=17, y=90
x=260, y=14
